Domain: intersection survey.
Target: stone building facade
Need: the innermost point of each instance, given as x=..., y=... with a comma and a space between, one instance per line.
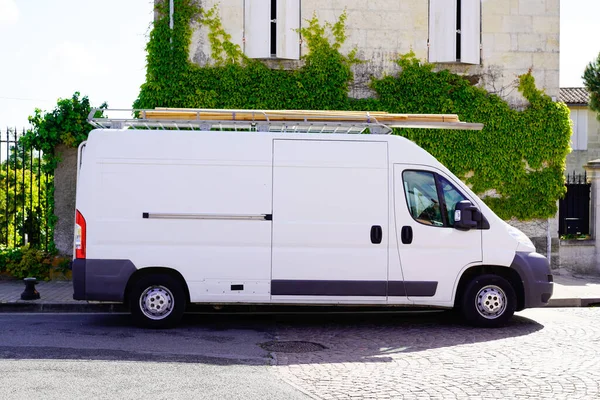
x=583, y=255
x=585, y=140
x=492, y=41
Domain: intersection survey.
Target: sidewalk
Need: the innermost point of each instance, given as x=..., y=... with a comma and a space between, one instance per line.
x=574, y=291
x=57, y=296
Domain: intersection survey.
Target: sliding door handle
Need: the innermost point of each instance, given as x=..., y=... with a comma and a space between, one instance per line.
x=376, y=234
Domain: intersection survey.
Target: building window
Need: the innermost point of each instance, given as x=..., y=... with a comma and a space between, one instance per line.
x=270, y=29
x=579, y=138
x=455, y=31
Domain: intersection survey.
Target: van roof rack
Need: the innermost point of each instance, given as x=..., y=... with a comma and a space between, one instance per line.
x=292, y=121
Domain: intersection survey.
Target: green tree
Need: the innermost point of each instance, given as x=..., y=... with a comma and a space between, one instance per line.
x=591, y=78
x=66, y=124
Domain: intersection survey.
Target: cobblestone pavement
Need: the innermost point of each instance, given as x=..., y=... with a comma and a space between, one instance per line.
x=543, y=354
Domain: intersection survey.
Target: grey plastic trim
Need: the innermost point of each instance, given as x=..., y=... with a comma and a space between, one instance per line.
x=101, y=280
x=78, y=274
x=412, y=288
x=352, y=288
x=535, y=273
x=420, y=289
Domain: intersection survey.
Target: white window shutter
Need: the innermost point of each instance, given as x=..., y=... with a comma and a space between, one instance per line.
x=470, y=31
x=257, y=26
x=442, y=30
x=574, y=135
x=288, y=20
x=582, y=131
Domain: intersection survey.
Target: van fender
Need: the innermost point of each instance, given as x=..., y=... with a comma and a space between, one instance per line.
x=157, y=269
x=101, y=280
x=460, y=275
x=509, y=272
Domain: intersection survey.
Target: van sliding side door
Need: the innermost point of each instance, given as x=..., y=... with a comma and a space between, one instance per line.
x=330, y=221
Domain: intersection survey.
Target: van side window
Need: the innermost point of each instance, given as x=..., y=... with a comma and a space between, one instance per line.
x=451, y=198
x=422, y=197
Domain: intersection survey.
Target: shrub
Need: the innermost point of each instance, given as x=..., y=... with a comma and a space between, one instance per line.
x=31, y=262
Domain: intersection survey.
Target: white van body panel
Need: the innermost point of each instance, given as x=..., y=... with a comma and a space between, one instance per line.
x=139, y=172
x=286, y=217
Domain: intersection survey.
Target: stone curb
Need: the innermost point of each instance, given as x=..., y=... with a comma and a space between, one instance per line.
x=573, y=302
x=49, y=307
x=83, y=307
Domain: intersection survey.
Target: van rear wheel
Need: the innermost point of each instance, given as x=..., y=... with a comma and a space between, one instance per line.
x=489, y=301
x=157, y=301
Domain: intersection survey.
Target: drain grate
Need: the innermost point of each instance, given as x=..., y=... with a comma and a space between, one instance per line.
x=292, y=347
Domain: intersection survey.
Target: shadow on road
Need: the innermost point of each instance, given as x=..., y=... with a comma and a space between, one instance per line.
x=379, y=337
x=221, y=339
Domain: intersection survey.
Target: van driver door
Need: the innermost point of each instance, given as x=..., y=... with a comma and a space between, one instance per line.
x=432, y=252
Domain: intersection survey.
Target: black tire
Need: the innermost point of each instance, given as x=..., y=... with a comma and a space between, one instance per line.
x=157, y=301
x=488, y=301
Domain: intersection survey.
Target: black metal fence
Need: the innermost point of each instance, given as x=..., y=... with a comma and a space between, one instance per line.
x=24, y=194
x=574, y=208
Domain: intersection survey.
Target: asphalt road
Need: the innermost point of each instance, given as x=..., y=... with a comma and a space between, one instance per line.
x=60, y=356
x=542, y=354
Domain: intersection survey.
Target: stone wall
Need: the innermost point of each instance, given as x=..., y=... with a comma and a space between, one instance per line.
x=65, y=181
x=379, y=29
x=516, y=35
x=579, y=256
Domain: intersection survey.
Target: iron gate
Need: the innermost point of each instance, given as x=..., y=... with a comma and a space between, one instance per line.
x=23, y=194
x=574, y=208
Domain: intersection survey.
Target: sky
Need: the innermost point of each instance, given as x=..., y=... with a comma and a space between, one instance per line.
x=51, y=48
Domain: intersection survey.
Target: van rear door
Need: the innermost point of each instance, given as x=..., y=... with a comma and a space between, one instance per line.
x=330, y=221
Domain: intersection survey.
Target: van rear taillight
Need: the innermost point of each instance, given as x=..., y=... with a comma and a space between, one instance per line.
x=79, y=235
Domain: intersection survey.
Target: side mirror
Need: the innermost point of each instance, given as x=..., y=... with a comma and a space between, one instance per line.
x=466, y=215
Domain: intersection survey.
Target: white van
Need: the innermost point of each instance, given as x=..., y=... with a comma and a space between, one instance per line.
x=169, y=217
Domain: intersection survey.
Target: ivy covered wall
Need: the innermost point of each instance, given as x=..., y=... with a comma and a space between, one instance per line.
x=515, y=164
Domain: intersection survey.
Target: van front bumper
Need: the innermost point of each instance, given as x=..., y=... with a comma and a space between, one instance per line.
x=538, y=283
x=101, y=280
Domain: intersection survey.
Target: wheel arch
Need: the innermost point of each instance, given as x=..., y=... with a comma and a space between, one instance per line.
x=141, y=272
x=510, y=274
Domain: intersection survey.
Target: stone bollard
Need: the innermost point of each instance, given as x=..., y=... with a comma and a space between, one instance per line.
x=30, y=293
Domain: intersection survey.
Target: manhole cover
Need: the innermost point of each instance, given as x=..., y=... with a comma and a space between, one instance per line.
x=292, y=347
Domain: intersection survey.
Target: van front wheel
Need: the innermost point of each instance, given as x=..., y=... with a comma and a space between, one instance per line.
x=157, y=301
x=488, y=301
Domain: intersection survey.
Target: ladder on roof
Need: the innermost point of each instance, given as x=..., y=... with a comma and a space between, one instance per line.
x=288, y=121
